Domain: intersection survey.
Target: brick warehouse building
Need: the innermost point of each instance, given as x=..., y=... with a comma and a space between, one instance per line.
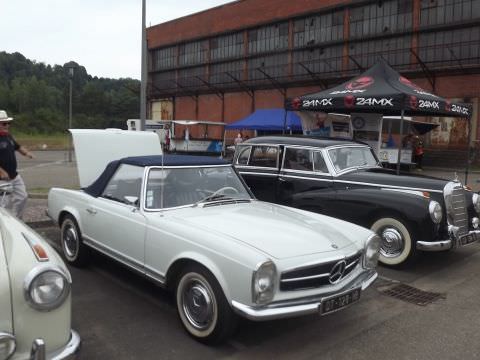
x=223, y=63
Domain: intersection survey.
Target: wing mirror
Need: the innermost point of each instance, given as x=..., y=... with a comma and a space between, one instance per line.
x=6, y=187
x=131, y=200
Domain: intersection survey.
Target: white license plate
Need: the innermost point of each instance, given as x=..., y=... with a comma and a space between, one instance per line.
x=339, y=302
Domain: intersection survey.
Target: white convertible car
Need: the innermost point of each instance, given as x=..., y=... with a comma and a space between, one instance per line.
x=35, y=300
x=191, y=225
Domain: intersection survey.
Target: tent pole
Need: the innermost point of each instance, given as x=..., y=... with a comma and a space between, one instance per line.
x=468, y=150
x=400, y=143
x=223, y=144
x=284, y=123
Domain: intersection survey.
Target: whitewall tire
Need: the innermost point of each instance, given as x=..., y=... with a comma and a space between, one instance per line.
x=397, y=246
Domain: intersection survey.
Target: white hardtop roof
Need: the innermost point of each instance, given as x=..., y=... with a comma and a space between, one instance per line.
x=94, y=149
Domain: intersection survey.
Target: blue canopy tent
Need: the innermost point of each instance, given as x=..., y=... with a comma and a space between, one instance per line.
x=268, y=120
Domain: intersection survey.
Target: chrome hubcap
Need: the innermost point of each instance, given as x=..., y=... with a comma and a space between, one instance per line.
x=392, y=242
x=70, y=240
x=198, y=304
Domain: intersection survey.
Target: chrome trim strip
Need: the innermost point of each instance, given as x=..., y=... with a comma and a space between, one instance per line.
x=132, y=263
x=257, y=173
x=383, y=186
x=155, y=275
x=331, y=259
x=413, y=192
x=187, y=166
x=353, y=263
x=388, y=186
x=305, y=278
x=264, y=313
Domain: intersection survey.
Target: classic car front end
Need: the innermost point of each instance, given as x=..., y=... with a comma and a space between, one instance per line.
x=35, y=298
x=344, y=179
x=191, y=225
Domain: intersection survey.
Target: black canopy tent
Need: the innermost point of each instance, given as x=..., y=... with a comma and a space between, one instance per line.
x=380, y=90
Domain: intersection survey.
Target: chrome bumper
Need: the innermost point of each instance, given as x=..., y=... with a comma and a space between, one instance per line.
x=455, y=241
x=68, y=352
x=310, y=306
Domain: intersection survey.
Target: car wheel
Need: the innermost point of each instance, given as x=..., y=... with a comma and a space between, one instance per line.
x=74, y=250
x=202, y=306
x=397, y=246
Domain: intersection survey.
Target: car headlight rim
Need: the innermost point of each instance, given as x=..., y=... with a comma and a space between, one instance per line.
x=371, y=251
x=46, y=273
x=263, y=282
x=11, y=345
x=476, y=202
x=436, y=211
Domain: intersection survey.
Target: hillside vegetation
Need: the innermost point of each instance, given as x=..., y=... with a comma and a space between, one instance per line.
x=37, y=96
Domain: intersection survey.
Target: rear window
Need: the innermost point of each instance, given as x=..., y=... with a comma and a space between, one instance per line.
x=264, y=156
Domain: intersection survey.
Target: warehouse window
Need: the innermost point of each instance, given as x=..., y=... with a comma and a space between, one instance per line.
x=318, y=29
x=317, y=60
x=163, y=81
x=274, y=66
x=450, y=47
x=219, y=76
x=381, y=17
x=396, y=51
x=268, y=38
x=227, y=46
x=193, y=53
x=439, y=12
x=163, y=58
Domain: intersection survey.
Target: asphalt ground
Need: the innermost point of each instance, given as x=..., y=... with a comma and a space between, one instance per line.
x=120, y=315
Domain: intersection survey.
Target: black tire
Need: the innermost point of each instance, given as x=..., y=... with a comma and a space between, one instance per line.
x=397, y=248
x=202, y=307
x=74, y=250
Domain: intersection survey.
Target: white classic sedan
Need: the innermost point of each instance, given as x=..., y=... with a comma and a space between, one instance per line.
x=191, y=225
x=35, y=303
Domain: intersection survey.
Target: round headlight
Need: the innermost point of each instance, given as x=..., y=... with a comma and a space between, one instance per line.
x=372, y=247
x=476, y=202
x=7, y=345
x=47, y=287
x=435, y=211
x=263, y=282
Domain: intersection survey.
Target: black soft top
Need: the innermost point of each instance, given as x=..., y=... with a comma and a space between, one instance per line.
x=96, y=188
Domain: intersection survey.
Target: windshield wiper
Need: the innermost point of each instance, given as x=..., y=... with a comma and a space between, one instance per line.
x=212, y=197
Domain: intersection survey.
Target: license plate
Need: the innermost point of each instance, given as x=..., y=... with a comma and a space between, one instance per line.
x=338, y=302
x=467, y=239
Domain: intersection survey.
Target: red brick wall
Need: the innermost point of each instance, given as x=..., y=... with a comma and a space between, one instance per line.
x=232, y=16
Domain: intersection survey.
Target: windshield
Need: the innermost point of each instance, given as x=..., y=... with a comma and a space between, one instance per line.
x=350, y=157
x=172, y=187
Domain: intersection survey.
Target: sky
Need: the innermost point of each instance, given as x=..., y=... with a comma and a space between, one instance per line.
x=104, y=36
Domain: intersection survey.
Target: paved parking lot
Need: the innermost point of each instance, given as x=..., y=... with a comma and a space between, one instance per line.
x=119, y=315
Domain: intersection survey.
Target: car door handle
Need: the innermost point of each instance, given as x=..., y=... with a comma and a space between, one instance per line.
x=91, y=211
x=281, y=179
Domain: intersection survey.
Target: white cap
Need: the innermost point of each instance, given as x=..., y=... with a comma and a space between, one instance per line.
x=4, y=116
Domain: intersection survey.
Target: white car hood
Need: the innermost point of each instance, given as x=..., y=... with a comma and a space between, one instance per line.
x=278, y=231
x=94, y=149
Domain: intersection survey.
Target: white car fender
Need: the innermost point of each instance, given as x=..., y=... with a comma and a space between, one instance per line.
x=207, y=263
x=72, y=211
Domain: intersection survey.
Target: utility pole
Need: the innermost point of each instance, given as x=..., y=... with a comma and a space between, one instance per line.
x=143, y=85
x=70, y=145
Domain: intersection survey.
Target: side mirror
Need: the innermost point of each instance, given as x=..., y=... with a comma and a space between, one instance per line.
x=131, y=200
x=6, y=187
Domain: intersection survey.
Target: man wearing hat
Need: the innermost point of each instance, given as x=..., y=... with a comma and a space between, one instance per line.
x=8, y=166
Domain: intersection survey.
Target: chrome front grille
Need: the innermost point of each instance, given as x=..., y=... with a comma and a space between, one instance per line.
x=317, y=275
x=457, y=213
